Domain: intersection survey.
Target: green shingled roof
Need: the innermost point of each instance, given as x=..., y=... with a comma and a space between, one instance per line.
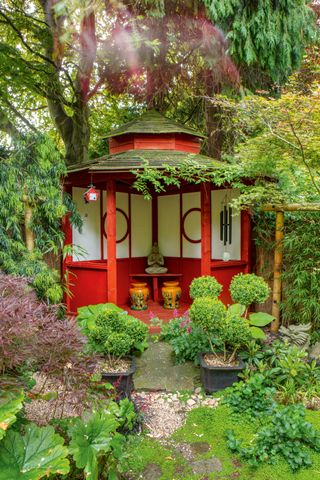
x=153, y=122
x=132, y=159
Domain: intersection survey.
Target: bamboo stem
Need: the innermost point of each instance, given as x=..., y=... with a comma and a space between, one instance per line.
x=277, y=269
x=292, y=207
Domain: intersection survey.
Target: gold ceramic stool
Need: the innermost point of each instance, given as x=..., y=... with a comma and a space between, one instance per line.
x=171, y=293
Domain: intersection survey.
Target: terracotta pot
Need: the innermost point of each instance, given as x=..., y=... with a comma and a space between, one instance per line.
x=139, y=294
x=171, y=293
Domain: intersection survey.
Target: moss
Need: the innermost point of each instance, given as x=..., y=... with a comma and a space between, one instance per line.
x=208, y=425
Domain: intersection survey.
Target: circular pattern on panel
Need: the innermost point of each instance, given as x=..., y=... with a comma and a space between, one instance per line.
x=124, y=225
x=191, y=211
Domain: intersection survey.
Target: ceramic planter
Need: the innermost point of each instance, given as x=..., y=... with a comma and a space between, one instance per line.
x=122, y=381
x=171, y=293
x=139, y=294
x=217, y=378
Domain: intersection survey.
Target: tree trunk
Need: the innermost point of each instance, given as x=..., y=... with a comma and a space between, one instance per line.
x=216, y=136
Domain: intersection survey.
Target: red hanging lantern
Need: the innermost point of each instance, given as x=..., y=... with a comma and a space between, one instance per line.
x=91, y=195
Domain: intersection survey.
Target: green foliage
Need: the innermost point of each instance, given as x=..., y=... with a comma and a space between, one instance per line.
x=186, y=339
x=286, y=368
x=31, y=174
x=253, y=398
x=118, y=344
x=209, y=314
x=230, y=332
x=37, y=454
x=249, y=288
x=265, y=35
x=111, y=331
x=10, y=405
x=255, y=320
x=287, y=434
x=205, y=286
x=300, y=303
x=96, y=445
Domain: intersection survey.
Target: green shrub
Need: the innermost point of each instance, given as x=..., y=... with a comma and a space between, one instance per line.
x=249, y=288
x=118, y=344
x=186, y=339
x=287, y=433
x=230, y=332
x=253, y=398
x=209, y=314
x=205, y=286
x=111, y=331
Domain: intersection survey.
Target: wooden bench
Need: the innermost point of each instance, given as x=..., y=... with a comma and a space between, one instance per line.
x=155, y=277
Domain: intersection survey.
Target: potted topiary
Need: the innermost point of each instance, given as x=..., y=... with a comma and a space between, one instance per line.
x=246, y=289
x=220, y=367
x=115, y=335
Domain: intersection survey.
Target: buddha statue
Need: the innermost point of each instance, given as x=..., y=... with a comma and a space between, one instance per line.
x=156, y=261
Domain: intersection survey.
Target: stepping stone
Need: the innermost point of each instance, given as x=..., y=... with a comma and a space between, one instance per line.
x=206, y=466
x=152, y=471
x=156, y=370
x=200, y=447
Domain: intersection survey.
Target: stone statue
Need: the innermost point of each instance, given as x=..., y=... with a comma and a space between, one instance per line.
x=297, y=335
x=156, y=261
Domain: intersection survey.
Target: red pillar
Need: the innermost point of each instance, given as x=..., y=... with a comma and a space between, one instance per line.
x=246, y=239
x=67, y=230
x=111, y=241
x=205, y=229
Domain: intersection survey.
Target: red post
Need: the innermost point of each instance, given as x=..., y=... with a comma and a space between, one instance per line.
x=67, y=230
x=246, y=239
x=205, y=229
x=111, y=241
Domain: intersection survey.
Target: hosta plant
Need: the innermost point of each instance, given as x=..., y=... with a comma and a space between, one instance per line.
x=34, y=455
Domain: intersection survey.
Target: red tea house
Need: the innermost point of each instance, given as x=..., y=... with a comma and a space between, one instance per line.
x=193, y=225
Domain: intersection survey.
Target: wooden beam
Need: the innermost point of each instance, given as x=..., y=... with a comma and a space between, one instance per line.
x=111, y=241
x=205, y=229
x=277, y=270
x=292, y=207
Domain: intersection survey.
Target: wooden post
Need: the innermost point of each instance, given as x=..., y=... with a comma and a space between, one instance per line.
x=205, y=229
x=246, y=239
x=277, y=284
x=111, y=241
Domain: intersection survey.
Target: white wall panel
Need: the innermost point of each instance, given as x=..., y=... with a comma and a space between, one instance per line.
x=122, y=202
x=89, y=238
x=218, y=199
x=169, y=225
x=192, y=225
x=141, y=226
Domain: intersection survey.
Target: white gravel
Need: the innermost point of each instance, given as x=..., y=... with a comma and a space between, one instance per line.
x=166, y=412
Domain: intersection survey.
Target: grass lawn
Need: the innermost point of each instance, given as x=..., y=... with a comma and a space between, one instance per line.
x=208, y=425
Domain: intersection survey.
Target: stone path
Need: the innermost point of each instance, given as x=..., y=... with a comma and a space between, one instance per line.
x=156, y=371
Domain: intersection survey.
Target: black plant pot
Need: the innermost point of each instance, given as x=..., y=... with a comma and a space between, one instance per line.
x=217, y=378
x=122, y=381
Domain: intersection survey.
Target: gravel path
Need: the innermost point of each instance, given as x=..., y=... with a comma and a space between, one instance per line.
x=166, y=412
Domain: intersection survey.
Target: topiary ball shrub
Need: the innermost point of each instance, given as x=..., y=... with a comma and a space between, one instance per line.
x=208, y=313
x=111, y=331
x=205, y=286
x=118, y=344
x=249, y=288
